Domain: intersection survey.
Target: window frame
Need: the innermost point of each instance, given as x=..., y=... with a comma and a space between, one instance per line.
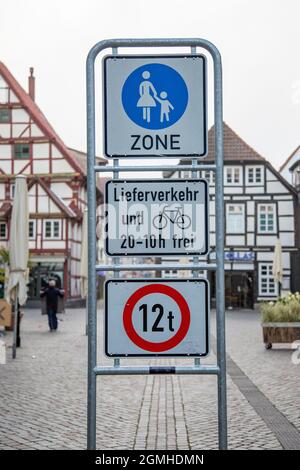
x=33, y=221
x=52, y=237
x=266, y=232
x=22, y=158
x=241, y=204
x=5, y=108
x=232, y=168
x=2, y=223
x=209, y=176
x=268, y=278
x=255, y=182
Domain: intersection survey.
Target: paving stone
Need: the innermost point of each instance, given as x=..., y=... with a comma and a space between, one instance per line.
x=43, y=404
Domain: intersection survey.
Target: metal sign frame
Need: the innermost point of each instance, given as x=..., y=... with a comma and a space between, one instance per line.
x=160, y=281
x=155, y=155
x=93, y=369
x=151, y=251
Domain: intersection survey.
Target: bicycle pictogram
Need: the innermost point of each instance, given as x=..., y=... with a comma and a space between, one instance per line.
x=175, y=216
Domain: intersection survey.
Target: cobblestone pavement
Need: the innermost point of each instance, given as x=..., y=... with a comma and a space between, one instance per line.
x=43, y=393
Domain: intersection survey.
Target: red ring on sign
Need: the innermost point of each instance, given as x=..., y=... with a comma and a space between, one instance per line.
x=156, y=289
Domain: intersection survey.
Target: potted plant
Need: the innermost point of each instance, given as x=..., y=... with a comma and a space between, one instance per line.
x=281, y=320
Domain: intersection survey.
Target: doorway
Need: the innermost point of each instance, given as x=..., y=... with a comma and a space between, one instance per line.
x=239, y=290
x=39, y=276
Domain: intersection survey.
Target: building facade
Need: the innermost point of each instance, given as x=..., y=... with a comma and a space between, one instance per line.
x=56, y=177
x=260, y=207
x=291, y=171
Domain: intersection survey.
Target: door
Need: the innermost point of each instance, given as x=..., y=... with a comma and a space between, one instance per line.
x=239, y=290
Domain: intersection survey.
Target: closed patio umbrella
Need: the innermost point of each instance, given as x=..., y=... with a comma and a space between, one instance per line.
x=84, y=261
x=18, y=251
x=277, y=262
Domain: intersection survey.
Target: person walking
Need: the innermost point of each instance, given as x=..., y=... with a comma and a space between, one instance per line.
x=52, y=294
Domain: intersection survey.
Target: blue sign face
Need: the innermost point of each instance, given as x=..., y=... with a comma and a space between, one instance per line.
x=154, y=96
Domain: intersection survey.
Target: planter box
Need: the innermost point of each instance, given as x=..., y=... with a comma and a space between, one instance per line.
x=280, y=333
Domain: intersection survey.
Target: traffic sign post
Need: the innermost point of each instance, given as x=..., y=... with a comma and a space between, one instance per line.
x=156, y=105
x=154, y=217
x=155, y=112
x=153, y=317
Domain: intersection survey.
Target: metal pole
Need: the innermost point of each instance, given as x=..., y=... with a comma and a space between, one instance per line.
x=220, y=284
x=16, y=318
x=92, y=299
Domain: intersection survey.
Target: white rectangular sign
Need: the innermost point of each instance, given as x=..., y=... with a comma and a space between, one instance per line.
x=154, y=317
x=157, y=217
x=155, y=105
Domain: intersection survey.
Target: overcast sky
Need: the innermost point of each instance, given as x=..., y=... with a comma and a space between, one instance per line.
x=258, y=40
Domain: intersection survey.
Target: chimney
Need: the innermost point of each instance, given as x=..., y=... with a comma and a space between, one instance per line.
x=31, y=84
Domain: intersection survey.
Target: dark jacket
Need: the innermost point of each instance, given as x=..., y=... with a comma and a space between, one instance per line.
x=52, y=294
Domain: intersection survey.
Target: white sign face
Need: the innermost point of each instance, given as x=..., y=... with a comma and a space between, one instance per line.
x=153, y=317
x=157, y=217
x=155, y=106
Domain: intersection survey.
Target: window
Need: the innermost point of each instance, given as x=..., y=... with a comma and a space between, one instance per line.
x=52, y=229
x=235, y=218
x=254, y=175
x=22, y=151
x=267, y=285
x=209, y=176
x=3, y=230
x=31, y=229
x=233, y=175
x=3, y=93
x=4, y=115
x=12, y=190
x=266, y=218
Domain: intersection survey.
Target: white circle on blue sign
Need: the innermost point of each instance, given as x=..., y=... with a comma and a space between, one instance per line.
x=154, y=96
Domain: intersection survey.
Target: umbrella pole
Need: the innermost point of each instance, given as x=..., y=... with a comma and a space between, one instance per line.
x=16, y=319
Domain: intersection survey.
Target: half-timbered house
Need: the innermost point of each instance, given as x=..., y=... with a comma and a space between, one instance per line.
x=259, y=207
x=56, y=178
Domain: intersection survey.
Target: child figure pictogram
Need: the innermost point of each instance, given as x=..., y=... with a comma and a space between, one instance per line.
x=165, y=106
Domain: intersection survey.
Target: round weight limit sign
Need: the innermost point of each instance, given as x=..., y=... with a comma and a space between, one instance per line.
x=158, y=309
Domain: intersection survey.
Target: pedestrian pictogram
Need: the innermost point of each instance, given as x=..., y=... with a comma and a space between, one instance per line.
x=155, y=106
x=157, y=317
x=154, y=96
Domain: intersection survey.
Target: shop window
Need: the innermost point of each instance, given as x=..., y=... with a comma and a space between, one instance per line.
x=235, y=218
x=52, y=229
x=3, y=230
x=21, y=151
x=266, y=218
x=267, y=285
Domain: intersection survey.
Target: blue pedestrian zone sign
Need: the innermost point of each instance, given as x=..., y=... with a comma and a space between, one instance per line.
x=155, y=106
x=155, y=96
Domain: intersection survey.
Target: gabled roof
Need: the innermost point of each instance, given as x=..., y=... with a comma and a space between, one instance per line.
x=39, y=118
x=57, y=200
x=81, y=158
x=289, y=158
x=235, y=148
